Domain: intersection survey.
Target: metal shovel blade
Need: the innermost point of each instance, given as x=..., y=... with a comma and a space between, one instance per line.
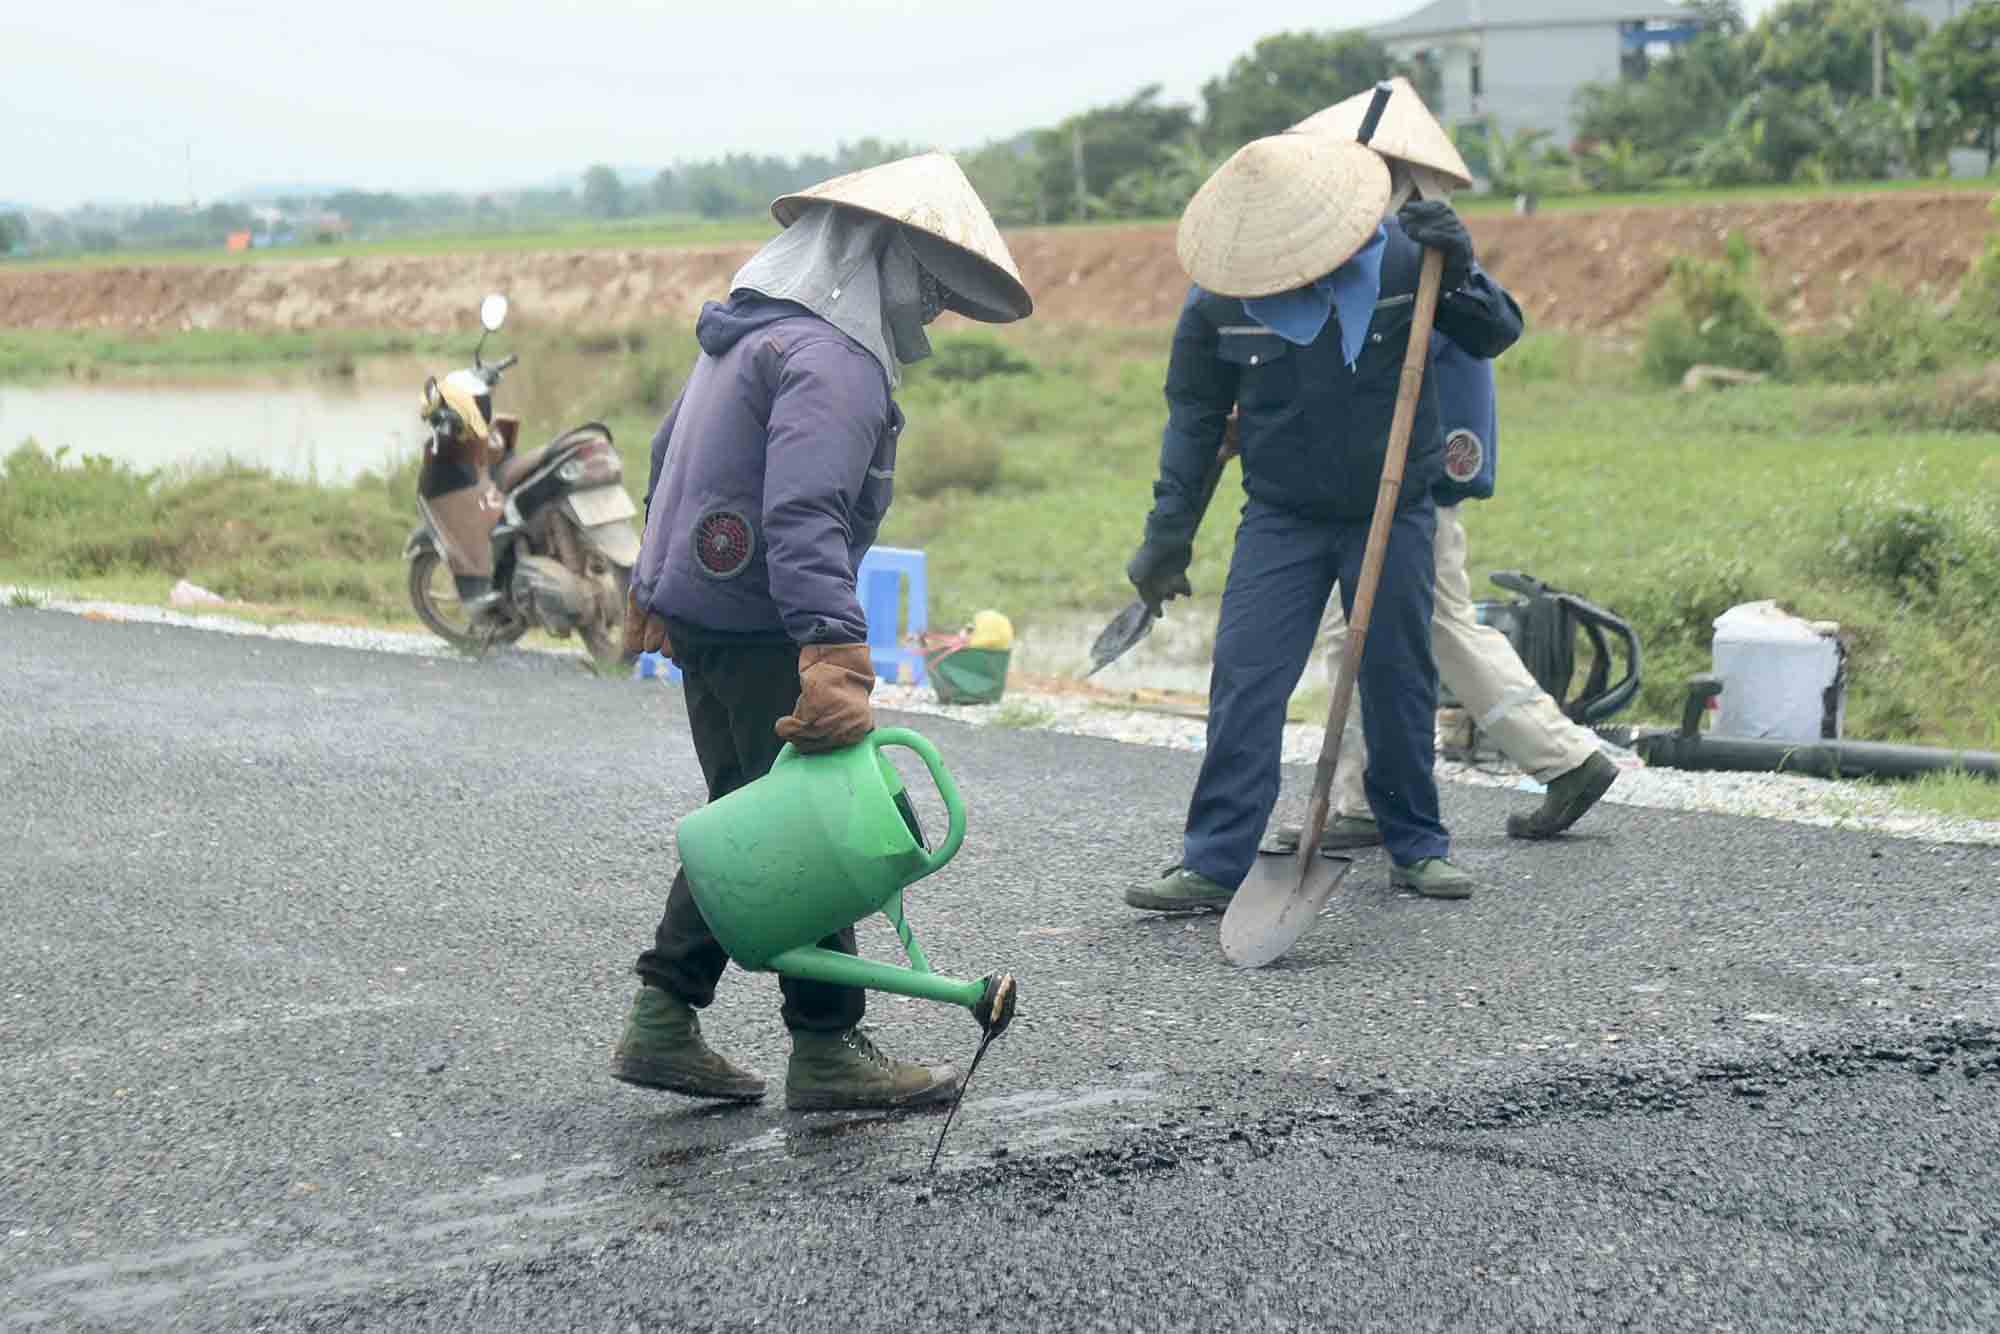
x=1277, y=901
x=1127, y=628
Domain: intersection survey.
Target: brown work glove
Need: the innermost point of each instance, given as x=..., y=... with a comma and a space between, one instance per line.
x=644, y=631
x=834, y=681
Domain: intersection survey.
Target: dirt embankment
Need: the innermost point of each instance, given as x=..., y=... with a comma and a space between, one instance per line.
x=1592, y=271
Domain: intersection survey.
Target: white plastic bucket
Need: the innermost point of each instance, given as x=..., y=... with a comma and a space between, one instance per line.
x=1782, y=676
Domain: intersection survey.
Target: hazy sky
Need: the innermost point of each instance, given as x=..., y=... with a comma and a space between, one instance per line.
x=131, y=101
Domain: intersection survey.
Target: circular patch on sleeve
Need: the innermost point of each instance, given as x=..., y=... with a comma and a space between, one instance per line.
x=724, y=541
x=1464, y=452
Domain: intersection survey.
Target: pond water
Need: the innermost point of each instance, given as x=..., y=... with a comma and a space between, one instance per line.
x=330, y=432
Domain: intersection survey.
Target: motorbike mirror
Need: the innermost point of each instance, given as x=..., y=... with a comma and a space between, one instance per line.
x=493, y=312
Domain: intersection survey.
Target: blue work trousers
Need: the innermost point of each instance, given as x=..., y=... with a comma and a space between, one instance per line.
x=1283, y=570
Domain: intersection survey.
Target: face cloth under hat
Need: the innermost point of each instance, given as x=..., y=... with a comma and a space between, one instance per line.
x=1350, y=291
x=858, y=273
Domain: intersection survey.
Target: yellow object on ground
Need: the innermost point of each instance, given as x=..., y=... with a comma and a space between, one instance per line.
x=991, y=630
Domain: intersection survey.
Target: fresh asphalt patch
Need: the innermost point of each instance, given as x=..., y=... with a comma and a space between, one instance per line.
x=315, y=959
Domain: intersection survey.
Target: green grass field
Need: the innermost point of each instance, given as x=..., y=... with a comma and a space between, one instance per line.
x=674, y=230
x=625, y=233
x=1027, y=488
x=1742, y=194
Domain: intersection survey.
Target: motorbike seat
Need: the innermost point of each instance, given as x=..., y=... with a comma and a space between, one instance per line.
x=517, y=468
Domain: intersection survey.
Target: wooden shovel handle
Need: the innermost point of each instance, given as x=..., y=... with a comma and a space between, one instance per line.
x=1428, y=281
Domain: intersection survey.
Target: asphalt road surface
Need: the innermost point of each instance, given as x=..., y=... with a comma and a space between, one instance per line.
x=313, y=960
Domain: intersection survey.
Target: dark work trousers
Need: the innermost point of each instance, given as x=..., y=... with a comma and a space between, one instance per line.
x=1280, y=576
x=735, y=696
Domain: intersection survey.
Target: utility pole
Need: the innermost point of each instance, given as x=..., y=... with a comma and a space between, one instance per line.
x=1076, y=167
x=1878, y=58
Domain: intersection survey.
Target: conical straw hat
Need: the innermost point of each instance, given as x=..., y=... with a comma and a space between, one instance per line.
x=1281, y=213
x=1407, y=131
x=951, y=231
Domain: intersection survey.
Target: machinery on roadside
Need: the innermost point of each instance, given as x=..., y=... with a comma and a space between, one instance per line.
x=513, y=541
x=1542, y=623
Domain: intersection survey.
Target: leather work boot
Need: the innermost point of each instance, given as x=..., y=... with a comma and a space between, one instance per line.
x=663, y=1049
x=1342, y=832
x=1434, y=878
x=1181, y=890
x=1568, y=798
x=845, y=1072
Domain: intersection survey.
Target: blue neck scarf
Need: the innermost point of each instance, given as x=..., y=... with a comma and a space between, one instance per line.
x=1350, y=292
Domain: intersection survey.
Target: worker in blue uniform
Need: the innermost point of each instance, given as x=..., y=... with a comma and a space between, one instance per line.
x=1299, y=319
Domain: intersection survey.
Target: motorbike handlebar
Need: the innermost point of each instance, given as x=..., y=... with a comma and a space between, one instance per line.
x=491, y=374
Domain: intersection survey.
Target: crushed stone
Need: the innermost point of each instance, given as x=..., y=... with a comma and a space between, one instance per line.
x=1793, y=797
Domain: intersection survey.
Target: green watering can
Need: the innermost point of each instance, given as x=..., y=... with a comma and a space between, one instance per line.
x=817, y=844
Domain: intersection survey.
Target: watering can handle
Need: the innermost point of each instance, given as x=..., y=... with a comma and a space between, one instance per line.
x=954, y=806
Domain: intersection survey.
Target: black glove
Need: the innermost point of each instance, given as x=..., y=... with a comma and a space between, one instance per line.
x=1430, y=222
x=1158, y=569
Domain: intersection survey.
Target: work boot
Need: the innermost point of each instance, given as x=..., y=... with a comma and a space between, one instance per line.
x=663, y=1049
x=845, y=1072
x=1342, y=832
x=1434, y=878
x=1181, y=890
x=1568, y=798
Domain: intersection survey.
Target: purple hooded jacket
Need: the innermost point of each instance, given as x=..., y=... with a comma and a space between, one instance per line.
x=770, y=477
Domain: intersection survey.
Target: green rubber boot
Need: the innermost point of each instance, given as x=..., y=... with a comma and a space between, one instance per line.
x=1568, y=798
x=1180, y=890
x=663, y=1049
x=845, y=1072
x=1342, y=832
x=1434, y=878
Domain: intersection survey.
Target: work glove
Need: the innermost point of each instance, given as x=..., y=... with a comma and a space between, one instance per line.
x=832, y=712
x=1431, y=222
x=645, y=632
x=1158, y=569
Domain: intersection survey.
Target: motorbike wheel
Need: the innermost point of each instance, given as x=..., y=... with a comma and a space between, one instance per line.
x=434, y=597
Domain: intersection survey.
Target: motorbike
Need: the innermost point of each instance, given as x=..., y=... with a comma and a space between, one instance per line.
x=510, y=541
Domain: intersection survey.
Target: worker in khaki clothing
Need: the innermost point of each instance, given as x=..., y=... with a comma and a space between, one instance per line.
x=1476, y=663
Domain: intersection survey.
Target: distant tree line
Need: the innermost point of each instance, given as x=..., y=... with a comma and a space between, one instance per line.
x=1802, y=95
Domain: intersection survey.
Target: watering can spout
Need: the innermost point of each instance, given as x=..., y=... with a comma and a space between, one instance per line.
x=995, y=1009
x=815, y=845
x=991, y=999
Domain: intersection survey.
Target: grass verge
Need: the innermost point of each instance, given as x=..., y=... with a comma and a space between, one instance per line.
x=1027, y=485
x=83, y=354
x=1961, y=795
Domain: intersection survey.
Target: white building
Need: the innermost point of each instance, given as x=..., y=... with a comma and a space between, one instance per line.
x=1938, y=12
x=1521, y=61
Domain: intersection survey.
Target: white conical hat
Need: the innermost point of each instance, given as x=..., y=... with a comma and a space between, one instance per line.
x=1408, y=131
x=950, y=229
x=1282, y=212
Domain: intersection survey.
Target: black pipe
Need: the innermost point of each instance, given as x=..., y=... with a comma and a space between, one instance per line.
x=1689, y=748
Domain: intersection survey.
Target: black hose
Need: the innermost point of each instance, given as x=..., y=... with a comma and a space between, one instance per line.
x=1689, y=748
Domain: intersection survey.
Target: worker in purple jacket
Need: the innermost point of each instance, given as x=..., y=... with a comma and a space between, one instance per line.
x=770, y=477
